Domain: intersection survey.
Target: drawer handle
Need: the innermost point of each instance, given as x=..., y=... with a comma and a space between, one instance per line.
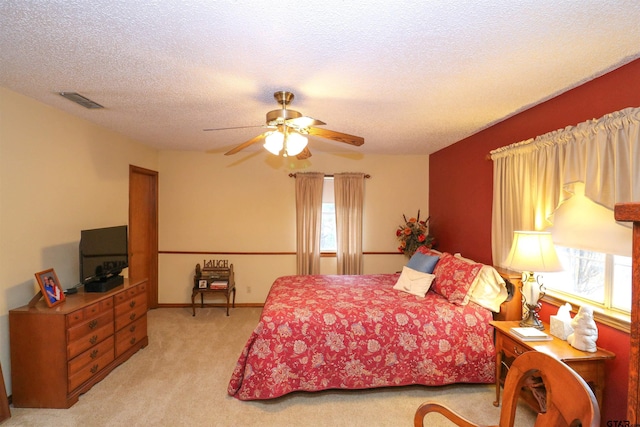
x=93, y=339
x=517, y=351
x=132, y=328
x=93, y=324
x=133, y=316
x=94, y=368
x=132, y=341
x=94, y=353
x=132, y=304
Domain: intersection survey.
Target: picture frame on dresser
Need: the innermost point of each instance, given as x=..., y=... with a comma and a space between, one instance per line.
x=50, y=287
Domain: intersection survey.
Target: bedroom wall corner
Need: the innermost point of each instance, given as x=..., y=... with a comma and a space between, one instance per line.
x=59, y=174
x=461, y=197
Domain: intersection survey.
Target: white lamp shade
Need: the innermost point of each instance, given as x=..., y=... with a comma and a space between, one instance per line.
x=295, y=143
x=533, y=251
x=274, y=142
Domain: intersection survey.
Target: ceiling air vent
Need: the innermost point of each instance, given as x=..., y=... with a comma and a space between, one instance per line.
x=79, y=99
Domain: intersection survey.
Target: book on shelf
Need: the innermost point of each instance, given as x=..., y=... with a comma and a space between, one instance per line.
x=531, y=334
x=216, y=284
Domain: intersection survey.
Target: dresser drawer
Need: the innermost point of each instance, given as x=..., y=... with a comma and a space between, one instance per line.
x=89, y=326
x=132, y=309
x=129, y=293
x=88, y=334
x=511, y=347
x=94, y=353
x=87, y=371
x=89, y=312
x=130, y=335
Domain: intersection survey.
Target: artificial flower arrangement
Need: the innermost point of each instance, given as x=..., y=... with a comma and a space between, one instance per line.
x=413, y=234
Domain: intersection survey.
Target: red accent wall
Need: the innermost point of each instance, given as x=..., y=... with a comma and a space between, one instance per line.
x=461, y=187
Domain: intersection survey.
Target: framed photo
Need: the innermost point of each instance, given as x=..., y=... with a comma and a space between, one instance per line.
x=50, y=287
x=202, y=283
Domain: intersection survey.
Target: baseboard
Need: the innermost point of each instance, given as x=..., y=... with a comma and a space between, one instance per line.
x=238, y=305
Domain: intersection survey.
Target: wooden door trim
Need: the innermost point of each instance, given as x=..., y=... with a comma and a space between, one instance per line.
x=153, y=227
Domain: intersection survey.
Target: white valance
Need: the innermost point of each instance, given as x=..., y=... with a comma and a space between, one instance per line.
x=532, y=178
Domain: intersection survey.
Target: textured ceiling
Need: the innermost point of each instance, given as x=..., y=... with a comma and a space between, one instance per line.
x=408, y=76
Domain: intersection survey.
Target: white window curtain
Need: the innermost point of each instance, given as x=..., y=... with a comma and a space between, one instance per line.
x=532, y=178
x=308, y=221
x=349, y=199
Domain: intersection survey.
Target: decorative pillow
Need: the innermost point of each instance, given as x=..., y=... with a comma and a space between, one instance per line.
x=414, y=282
x=422, y=262
x=454, y=278
x=488, y=289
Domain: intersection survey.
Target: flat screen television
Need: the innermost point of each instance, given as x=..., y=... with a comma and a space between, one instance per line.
x=103, y=256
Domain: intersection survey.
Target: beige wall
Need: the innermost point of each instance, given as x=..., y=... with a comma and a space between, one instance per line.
x=246, y=203
x=58, y=175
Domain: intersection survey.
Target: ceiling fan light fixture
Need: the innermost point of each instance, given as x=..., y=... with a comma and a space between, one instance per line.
x=274, y=142
x=290, y=138
x=295, y=143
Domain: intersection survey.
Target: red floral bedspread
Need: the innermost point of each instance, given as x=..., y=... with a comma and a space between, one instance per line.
x=354, y=332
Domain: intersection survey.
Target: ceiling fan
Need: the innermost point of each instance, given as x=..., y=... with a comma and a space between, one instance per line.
x=288, y=131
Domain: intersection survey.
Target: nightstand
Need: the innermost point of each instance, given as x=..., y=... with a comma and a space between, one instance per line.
x=590, y=366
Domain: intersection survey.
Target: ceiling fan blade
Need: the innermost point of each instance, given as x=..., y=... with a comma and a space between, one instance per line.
x=304, y=154
x=336, y=136
x=235, y=127
x=247, y=144
x=304, y=122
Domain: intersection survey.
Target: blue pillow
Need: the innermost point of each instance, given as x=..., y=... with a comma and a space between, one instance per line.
x=423, y=263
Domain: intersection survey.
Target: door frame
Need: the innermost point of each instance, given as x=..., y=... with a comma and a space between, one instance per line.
x=146, y=199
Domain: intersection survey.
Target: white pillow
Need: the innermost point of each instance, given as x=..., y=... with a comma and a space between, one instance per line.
x=414, y=282
x=488, y=289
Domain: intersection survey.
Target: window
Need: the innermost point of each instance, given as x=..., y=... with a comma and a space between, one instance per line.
x=621, y=297
x=599, y=278
x=594, y=251
x=328, y=226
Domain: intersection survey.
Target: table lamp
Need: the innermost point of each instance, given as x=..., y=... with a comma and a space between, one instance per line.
x=532, y=251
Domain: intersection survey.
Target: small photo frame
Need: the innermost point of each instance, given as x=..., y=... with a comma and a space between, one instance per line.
x=50, y=287
x=202, y=284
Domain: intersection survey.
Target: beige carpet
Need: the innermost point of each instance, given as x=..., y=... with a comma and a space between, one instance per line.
x=181, y=377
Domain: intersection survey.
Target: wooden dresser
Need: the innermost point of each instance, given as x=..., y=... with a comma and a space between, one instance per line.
x=58, y=353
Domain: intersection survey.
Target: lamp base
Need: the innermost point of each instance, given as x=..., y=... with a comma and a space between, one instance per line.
x=530, y=319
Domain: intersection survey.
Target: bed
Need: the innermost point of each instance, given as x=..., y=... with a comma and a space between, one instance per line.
x=322, y=332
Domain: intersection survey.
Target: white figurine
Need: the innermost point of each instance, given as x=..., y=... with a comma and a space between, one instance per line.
x=585, y=331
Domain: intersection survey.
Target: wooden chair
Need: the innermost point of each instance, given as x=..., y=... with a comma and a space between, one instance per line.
x=567, y=400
